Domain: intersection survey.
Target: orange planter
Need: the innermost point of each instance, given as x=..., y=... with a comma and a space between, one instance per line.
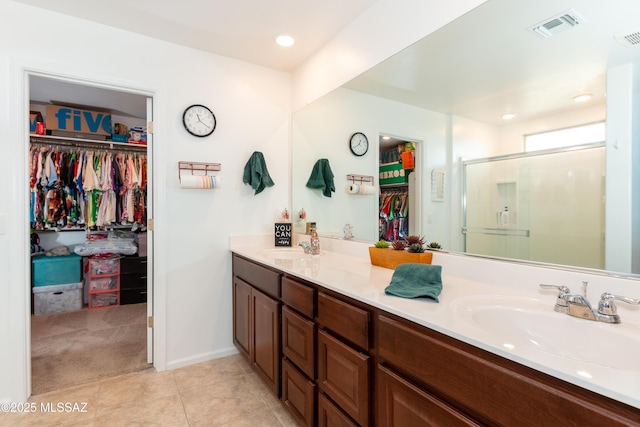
x=391, y=258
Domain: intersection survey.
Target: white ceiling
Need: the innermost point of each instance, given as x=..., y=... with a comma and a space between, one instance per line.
x=486, y=63
x=240, y=29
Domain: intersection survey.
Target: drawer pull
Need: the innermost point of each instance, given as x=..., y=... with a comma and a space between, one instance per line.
x=143, y=277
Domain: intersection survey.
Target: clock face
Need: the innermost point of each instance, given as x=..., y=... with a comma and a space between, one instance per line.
x=198, y=120
x=359, y=144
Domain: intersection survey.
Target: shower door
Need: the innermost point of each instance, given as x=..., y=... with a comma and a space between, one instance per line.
x=546, y=206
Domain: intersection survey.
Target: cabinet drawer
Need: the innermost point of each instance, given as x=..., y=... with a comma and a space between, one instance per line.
x=298, y=342
x=137, y=265
x=400, y=404
x=329, y=415
x=343, y=374
x=351, y=323
x=499, y=391
x=298, y=296
x=133, y=281
x=268, y=281
x=133, y=296
x=298, y=394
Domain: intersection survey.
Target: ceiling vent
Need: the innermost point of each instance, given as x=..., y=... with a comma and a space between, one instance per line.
x=557, y=24
x=629, y=40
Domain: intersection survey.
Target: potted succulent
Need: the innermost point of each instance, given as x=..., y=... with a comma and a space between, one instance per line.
x=408, y=250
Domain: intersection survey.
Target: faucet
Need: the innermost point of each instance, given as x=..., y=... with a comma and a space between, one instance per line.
x=313, y=246
x=578, y=305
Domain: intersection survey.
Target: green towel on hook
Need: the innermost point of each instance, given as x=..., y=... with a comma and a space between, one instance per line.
x=415, y=280
x=322, y=177
x=256, y=173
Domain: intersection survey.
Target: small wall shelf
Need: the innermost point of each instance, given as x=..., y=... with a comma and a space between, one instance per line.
x=199, y=167
x=360, y=179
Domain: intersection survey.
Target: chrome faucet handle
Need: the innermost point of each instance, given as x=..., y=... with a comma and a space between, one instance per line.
x=561, y=302
x=607, y=306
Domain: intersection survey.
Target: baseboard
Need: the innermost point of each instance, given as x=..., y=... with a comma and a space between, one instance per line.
x=180, y=363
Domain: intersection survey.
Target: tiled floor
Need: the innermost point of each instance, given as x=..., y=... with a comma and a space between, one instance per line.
x=221, y=392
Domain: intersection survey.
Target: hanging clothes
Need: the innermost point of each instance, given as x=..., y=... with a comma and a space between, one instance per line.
x=74, y=187
x=394, y=214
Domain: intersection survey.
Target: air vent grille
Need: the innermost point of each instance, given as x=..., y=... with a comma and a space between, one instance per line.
x=557, y=24
x=628, y=40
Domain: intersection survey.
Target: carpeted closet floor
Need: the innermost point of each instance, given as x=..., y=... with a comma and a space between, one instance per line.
x=82, y=346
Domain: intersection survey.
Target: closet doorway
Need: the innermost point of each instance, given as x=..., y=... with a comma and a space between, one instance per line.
x=98, y=328
x=399, y=179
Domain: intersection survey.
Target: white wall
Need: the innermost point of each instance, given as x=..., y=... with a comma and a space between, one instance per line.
x=192, y=261
x=322, y=130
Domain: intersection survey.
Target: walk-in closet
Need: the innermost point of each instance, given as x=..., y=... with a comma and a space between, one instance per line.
x=397, y=188
x=89, y=175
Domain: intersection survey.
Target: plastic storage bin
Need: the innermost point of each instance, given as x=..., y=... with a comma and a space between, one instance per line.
x=56, y=270
x=57, y=298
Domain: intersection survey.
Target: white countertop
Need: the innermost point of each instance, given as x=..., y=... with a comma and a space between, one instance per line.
x=352, y=275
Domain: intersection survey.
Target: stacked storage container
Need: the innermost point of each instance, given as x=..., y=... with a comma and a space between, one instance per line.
x=57, y=284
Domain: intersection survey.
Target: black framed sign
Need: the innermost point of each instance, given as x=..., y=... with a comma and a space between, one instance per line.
x=282, y=233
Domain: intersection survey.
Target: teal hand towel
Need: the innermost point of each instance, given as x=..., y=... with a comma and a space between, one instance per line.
x=415, y=280
x=322, y=177
x=256, y=173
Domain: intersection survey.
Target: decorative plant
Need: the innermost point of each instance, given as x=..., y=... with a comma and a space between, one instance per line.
x=381, y=244
x=416, y=248
x=434, y=245
x=398, y=245
x=413, y=239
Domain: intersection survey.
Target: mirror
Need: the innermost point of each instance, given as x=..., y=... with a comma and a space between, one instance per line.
x=449, y=91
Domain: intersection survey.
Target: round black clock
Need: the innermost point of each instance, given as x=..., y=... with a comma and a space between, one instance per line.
x=359, y=144
x=199, y=120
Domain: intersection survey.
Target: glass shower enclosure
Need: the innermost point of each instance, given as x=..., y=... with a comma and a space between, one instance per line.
x=546, y=206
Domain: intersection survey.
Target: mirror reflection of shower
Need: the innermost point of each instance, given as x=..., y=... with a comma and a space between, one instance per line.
x=546, y=206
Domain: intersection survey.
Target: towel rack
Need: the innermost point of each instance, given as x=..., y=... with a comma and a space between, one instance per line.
x=360, y=178
x=198, y=166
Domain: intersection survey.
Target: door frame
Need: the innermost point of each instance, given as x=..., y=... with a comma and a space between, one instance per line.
x=20, y=294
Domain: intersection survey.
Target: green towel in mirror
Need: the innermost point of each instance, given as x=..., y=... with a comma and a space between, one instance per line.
x=322, y=177
x=256, y=173
x=415, y=280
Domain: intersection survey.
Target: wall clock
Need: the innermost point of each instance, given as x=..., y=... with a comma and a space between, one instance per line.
x=199, y=120
x=359, y=144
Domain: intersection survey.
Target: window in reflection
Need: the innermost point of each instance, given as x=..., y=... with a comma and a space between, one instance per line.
x=578, y=135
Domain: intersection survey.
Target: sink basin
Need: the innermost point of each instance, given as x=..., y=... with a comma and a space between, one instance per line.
x=522, y=324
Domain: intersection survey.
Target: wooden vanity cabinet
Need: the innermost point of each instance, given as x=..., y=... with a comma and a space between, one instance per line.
x=463, y=385
x=343, y=356
x=299, y=351
x=256, y=318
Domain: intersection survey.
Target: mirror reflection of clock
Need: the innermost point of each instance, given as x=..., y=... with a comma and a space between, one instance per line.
x=359, y=144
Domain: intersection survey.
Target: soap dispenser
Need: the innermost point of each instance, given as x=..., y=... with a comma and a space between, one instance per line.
x=503, y=216
x=314, y=242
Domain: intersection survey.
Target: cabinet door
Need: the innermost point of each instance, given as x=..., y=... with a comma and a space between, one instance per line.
x=343, y=374
x=242, y=316
x=400, y=404
x=298, y=394
x=266, y=338
x=298, y=342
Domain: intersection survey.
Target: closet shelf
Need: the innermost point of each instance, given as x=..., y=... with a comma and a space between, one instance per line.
x=61, y=141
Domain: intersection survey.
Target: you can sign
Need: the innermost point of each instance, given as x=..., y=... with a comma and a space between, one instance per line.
x=71, y=119
x=282, y=233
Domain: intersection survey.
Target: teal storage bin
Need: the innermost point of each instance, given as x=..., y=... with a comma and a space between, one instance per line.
x=56, y=270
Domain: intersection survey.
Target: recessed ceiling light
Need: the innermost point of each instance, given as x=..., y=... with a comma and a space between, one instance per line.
x=508, y=116
x=583, y=97
x=386, y=137
x=284, y=40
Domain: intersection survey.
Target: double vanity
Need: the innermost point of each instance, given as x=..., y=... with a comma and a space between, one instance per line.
x=337, y=351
